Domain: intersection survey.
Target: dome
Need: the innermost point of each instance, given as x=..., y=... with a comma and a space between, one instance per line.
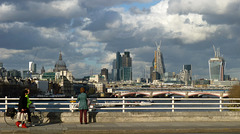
x=60, y=65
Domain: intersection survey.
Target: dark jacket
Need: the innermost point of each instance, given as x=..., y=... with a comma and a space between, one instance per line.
x=22, y=102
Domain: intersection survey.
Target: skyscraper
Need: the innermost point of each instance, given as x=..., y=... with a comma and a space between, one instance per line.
x=117, y=63
x=126, y=68
x=32, y=67
x=186, y=74
x=42, y=70
x=216, y=66
x=122, y=67
x=104, y=71
x=158, y=63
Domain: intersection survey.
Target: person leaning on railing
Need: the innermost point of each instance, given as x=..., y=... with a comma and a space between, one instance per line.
x=83, y=107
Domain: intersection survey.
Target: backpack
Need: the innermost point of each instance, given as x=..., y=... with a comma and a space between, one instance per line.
x=11, y=112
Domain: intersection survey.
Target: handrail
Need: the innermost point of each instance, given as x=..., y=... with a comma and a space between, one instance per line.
x=127, y=104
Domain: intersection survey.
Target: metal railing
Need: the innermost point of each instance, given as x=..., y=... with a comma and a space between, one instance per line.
x=130, y=104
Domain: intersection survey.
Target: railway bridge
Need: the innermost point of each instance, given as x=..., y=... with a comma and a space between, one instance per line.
x=152, y=94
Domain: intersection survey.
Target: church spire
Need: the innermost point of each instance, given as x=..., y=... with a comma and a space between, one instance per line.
x=60, y=56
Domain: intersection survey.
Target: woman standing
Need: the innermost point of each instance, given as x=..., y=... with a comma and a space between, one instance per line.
x=83, y=107
x=22, y=107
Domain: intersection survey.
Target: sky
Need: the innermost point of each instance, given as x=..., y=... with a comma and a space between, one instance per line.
x=89, y=33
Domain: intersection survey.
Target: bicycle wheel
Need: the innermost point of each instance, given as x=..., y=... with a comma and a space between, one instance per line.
x=10, y=120
x=37, y=118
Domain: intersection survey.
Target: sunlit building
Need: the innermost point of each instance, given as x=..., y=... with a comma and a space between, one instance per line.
x=158, y=64
x=32, y=67
x=216, y=67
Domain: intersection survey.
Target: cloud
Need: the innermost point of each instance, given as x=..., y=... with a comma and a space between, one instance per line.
x=90, y=32
x=18, y=35
x=214, y=11
x=7, y=53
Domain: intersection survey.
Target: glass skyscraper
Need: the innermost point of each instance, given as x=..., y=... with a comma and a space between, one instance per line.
x=216, y=67
x=158, y=64
x=122, y=67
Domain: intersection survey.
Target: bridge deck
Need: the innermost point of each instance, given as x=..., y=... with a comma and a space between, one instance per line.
x=137, y=128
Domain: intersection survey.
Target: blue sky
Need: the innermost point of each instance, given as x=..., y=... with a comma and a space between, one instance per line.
x=139, y=5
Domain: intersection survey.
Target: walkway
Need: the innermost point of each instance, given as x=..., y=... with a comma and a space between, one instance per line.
x=130, y=128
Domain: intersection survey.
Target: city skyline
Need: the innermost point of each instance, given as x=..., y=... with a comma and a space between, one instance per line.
x=89, y=33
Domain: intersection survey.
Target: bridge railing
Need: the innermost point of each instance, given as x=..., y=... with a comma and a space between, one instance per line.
x=130, y=104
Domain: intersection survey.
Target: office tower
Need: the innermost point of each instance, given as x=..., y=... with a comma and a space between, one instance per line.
x=3, y=71
x=42, y=70
x=104, y=72
x=151, y=70
x=117, y=63
x=216, y=66
x=158, y=63
x=126, y=68
x=186, y=74
x=188, y=68
x=14, y=73
x=122, y=67
x=26, y=74
x=32, y=67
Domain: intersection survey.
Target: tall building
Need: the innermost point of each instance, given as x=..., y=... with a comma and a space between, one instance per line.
x=42, y=70
x=60, y=65
x=104, y=72
x=216, y=66
x=158, y=63
x=3, y=71
x=122, y=67
x=117, y=63
x=14, y=73
x=186, y=74
x=126, y=68
x=32, y=67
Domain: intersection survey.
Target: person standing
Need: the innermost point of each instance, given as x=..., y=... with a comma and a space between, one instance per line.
x=83, y=107
x=28, y=104
x=22, y=107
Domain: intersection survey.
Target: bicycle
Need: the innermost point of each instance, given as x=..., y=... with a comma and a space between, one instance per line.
x=10, y=117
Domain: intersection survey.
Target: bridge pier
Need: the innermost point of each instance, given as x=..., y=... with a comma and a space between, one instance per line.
x=151, y=94
x=186, y=95
x=119, y=94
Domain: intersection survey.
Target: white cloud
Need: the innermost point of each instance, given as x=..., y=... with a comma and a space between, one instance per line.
x=8, y=53
x=90, y=32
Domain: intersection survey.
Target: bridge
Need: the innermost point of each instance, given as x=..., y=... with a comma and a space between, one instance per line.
x=169, y=93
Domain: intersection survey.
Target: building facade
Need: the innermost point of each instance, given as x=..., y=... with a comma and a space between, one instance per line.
x=186, y=74
x=104, y=72
x=122, y=67
x=32, y=67
x=158, y=63
x=216, y=67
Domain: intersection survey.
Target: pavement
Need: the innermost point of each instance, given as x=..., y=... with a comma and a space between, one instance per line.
x=130, y=128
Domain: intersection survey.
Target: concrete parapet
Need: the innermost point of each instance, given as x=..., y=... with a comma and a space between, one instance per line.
x=68, y=117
